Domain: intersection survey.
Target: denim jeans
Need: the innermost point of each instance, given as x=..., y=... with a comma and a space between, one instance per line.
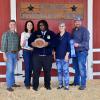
x=27, y=55
x=10, y=64
x=63, y=72
x=79, y=63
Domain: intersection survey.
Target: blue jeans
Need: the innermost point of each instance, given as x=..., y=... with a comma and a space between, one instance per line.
x=27, y=55
x=79, y=63
x=10, y=64
x=63, y=71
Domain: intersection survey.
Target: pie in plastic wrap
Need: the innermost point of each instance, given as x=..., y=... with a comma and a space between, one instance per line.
x=39, y=43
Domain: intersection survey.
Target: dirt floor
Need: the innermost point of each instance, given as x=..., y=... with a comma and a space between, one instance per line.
x=92, y=92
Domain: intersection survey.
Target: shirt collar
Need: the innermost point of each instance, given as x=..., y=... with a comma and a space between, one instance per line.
x=43, y=32
x=11, y=31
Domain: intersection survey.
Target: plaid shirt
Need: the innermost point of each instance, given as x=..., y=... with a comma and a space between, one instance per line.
x=10, y=42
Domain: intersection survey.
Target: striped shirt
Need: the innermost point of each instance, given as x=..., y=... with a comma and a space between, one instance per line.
x=10, y=42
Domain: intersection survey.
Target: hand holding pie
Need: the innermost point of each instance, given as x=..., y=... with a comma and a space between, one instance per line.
x=40, y=43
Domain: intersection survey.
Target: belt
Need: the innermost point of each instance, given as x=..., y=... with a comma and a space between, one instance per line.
x=28, y=49
x=13, y=51
x=42, y=55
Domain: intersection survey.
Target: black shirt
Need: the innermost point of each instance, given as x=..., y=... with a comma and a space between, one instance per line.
x=49, y=37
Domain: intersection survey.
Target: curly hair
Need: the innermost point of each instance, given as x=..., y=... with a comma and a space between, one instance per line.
x=44, y=22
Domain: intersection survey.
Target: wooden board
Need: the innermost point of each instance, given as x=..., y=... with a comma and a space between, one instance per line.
x=30, y=10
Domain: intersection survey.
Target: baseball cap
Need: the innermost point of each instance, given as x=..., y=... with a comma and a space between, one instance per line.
x=77, y=18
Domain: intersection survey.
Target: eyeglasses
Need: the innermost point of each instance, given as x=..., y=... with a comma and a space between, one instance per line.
x=41, y=25
x=61, y=26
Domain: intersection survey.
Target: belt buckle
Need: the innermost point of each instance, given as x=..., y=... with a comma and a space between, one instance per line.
x=42, y=55
x=13, y=51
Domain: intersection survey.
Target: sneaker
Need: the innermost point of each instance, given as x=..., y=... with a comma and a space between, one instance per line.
x=15, y=85
x=82, y=87
x=10, y=89
x=66, y=88
x=73, y=84
x=60, y=87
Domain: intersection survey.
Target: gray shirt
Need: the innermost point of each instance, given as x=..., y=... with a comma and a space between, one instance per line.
x=81, y=36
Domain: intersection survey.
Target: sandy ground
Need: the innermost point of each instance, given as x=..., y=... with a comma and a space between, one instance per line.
x=92, y=92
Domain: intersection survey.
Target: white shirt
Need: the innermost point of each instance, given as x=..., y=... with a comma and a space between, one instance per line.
x=43, y=33
x=24, y=40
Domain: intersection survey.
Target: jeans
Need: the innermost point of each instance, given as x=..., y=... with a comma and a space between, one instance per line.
x=27, y=55
x=10, y=64
x=63, y=72
x=79, y=63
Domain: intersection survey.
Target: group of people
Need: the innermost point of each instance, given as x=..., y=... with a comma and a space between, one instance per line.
x=35, y=58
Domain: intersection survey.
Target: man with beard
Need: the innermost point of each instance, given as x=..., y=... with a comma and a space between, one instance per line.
x=80, y=36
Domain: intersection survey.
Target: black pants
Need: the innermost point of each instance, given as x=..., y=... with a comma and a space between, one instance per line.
x=40, y=62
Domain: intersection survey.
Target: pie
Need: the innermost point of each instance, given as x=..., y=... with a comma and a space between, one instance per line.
x=39, y=42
